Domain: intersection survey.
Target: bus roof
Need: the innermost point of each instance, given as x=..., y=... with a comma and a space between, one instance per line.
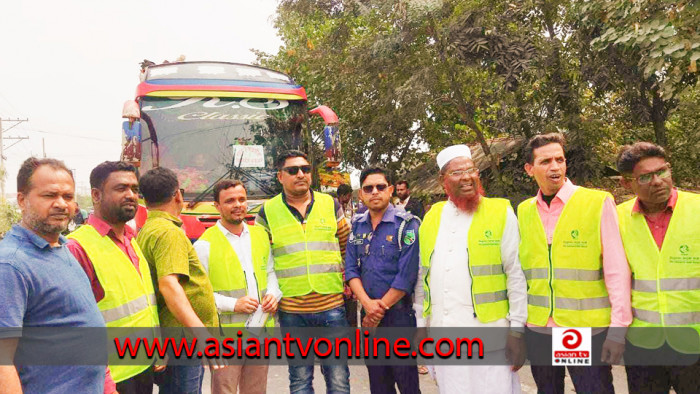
x=217, y=79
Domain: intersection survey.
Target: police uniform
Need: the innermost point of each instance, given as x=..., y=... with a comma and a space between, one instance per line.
x=383, y=258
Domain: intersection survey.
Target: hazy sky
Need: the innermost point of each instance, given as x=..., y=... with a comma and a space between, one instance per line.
x=69, y=66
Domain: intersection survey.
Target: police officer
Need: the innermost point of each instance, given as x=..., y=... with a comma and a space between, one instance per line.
x=381, y=267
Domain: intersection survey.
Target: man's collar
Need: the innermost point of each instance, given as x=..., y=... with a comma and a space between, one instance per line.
x=103, y=228
x=21, y=232
x=388, y=216
x=670, y=204
x=153, y=213
x=564, y=194
x=404, y=202
x=226, y=232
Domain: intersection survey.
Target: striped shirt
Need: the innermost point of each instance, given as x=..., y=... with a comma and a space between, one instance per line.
x=312, y=302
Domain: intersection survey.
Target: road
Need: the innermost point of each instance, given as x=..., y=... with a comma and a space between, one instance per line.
x=278, y=382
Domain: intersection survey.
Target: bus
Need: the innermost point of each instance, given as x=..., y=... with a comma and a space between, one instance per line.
x=208, y=121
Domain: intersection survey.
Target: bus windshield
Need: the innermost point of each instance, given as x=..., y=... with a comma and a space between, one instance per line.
x=205, y=138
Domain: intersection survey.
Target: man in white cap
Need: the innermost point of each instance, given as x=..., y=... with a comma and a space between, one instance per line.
x=472, y=275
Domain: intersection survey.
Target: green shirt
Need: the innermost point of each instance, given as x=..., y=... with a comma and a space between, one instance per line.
x=169, y=251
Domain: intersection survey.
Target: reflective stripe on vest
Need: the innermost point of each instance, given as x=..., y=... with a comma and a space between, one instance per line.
x=666, y=282
x=567, y=282
x=226, y=273
x=129, y=300
x=489, y=293
x=307, y=258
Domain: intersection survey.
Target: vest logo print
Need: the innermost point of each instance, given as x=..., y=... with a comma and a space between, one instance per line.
x=684, y=249
x=488, y=241
x=571, y=346
x=686, y=257
x=576, y=243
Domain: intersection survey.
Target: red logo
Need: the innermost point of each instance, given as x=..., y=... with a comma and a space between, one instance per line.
x=571, y=339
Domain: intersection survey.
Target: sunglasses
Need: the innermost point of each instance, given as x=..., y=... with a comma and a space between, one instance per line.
x=647, y=178
x=293, y=170
x=370, y=188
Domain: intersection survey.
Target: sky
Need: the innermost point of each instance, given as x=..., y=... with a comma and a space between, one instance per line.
x=69, y=66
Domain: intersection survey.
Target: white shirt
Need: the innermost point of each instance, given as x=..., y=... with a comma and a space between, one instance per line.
x=242, y=246
x=450, y=282
x=400, y=204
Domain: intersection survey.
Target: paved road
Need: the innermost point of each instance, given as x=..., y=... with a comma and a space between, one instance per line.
x=277, y=381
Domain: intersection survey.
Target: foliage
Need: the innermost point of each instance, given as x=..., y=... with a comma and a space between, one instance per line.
x=410, y=76
x=9, y=215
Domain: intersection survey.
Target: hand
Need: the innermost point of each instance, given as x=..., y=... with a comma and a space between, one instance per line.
x=375, y=308
x=370, y=321
x=515, y=351
x=269, y=303
x=202, y=334
x=246, y=304
x=347, y=292
x=612, y=352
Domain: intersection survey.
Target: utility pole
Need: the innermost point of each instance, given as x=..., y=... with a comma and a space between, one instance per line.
x=2, y=150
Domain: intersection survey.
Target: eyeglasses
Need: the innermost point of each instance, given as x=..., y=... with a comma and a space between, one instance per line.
x=370, y=188
x=293, y=170
x=646, y=178
x=459, y=173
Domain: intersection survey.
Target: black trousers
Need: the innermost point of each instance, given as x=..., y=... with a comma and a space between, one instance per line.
x=139, y=384
x=550, y=379
x=661, y=378
x=383, y=379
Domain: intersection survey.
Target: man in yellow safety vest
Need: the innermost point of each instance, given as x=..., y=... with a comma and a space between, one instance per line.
x=239, y=262
x=576, y=270
x=471, y=276
x=121, y=281
x=309, y=233
x=661, y=235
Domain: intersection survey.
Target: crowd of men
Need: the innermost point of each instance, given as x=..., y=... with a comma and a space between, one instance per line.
x=570, y=258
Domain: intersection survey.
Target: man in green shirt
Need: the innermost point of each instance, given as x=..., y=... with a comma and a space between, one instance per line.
x=184, y=293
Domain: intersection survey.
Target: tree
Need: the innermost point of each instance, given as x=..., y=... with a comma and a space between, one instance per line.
x=646, y=48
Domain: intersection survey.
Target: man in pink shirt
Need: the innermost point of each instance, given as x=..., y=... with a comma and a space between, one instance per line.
x=115, y=191
x=662, y=239
x=576, y=269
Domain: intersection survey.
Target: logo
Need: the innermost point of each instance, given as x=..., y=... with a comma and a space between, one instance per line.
x=488, y=234
x=684, y=249
x=323, y=221
x=574, y=234
x=410, y=237
x=571, y=346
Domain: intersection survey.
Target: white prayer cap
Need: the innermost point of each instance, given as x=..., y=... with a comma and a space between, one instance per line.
x=452, y=152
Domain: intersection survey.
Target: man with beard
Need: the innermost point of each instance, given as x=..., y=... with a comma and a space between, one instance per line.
x=409, y=205
x=576, y=270
x=382, y=268
x=308, y=233
x=472, y=276
x=42, y=284
x=662, y=240
x=239, y=262
x=106, y=248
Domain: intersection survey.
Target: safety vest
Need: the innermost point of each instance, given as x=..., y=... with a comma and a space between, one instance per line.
x=306, y=259
x=129, y=299
x=666, y=282
x=488, y=289
x=565, y=281
x=227, y=275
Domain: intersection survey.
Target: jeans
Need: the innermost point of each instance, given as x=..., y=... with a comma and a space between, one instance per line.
x=181, y=379
x=301, y=376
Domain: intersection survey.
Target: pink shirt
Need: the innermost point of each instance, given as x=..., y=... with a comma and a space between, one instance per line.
x=658, y=222
x=616, y=270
